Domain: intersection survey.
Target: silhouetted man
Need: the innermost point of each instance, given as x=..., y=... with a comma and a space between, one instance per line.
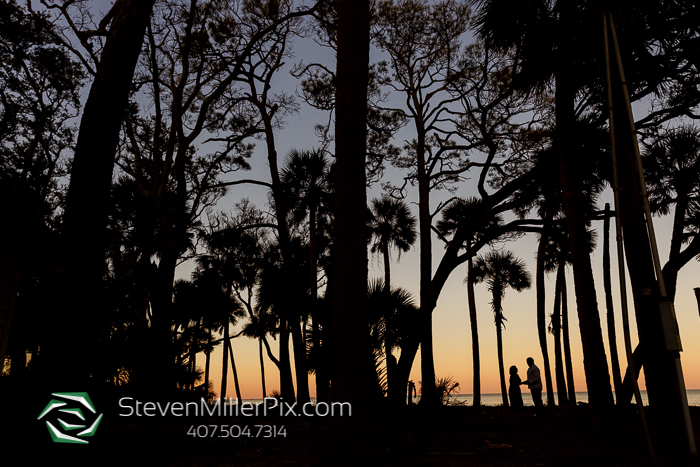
x=534, y=382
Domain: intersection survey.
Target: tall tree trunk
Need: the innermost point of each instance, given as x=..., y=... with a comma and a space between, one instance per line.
x=541, y=315
x=350, y=345
x=594, y=360
x=556, y=330
x=85, y=217
x=281, y=214
x=429, y=395
x=567, y=345
x=476, y=362
x=235, y=374
x=607, y=281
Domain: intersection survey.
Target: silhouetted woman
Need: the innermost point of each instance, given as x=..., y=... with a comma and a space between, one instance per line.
x=516, y=397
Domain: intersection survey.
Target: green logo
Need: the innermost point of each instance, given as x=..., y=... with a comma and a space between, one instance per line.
x=72, y=418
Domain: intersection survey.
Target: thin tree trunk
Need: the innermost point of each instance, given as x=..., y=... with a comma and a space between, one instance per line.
x=556, y=329
x=541, y=315
x=207, y=362
x=501, y=370
x=476, y=363
x=499, y=343
x=262, y=367
x=671, y=279
x=429, y=395
x=607, y=281
x=567, y=345
x=224, y=366
x=235, y=374
x=281, y=212
x=300, y=363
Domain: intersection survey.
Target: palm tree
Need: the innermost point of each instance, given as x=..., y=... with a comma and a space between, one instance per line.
x=460, y=212
x=501, y=270
x=543, y=32
x=391, y=225
x=671, y=162
x=672, y=170
x=392, y=317
x=305, y=178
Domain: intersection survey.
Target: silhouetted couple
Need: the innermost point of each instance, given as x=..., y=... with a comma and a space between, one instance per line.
x=534, y=382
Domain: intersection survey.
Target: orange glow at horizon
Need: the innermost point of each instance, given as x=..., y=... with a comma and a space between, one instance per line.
x=452, y=335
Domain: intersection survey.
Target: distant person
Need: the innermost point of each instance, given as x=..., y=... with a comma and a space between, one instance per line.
x=516, y=397
x=534, y=382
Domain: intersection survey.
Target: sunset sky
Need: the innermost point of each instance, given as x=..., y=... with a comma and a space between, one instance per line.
x=452, y=341
x=452, y=338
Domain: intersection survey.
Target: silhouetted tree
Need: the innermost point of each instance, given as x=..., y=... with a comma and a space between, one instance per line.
x=391, y=225
x=500, y=271
x=350, y=334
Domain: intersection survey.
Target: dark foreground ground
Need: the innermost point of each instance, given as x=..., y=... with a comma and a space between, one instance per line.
x=490, y=436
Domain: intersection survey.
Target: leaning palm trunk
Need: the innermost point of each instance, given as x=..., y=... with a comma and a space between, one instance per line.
x=262, y=367
x=475, y=333
x=607, y=281
x=235, y=375
x=567, y=346
x=556, y=330
x=541, y=321
x=300, y=366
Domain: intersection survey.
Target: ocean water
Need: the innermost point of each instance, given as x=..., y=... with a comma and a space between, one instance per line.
x=495, y=399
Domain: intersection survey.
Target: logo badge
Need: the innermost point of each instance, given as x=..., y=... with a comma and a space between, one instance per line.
x=68, y=415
